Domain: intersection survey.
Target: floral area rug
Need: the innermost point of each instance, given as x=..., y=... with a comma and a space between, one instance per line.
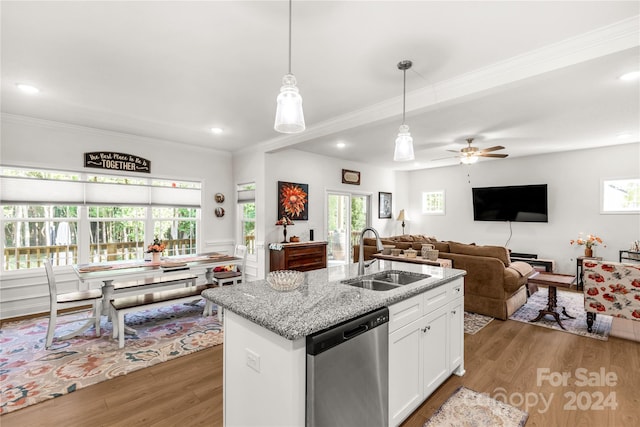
x=574, y=305
x=466, y=407
x=473, y=322
x=29, y=373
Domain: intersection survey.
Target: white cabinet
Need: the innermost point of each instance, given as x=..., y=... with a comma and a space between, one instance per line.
x=425, y=346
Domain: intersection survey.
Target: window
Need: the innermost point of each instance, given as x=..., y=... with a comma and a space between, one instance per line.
x=433, y=202
x=621, y=195
x=46, y=214
x=247, y=210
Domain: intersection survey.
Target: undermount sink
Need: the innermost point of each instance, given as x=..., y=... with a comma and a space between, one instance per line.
x=385, y=280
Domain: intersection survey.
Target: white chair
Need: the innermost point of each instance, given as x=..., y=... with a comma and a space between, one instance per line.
x=71, y=299
x=230, y=277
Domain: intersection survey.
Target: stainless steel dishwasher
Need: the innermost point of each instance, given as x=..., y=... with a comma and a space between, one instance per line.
x=347, y=373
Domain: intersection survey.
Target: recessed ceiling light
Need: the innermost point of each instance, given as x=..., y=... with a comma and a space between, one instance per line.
x=216, y=131
x=341, y=145
x=630, y=76
x=27, y=88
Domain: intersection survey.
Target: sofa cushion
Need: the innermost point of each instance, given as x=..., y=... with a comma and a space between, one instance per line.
x=441, y=246
x=404, y=238
x=522, y=268
x=499, y=252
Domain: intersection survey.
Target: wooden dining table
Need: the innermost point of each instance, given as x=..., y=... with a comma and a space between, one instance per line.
x=110, y=271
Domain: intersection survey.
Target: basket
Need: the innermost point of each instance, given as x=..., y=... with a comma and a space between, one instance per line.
x=285, y=280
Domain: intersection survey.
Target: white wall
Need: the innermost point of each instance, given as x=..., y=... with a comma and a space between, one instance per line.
x=573, y=179
x=323, y=174
x=35, y=143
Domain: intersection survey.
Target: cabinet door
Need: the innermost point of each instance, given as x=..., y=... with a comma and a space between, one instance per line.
x=435, y=349
x=456, y=334
x=405, y=371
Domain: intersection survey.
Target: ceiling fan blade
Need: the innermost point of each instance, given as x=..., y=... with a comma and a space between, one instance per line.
x=444, y=158
x=496, y=148
x=499, y=156
x=454, y=151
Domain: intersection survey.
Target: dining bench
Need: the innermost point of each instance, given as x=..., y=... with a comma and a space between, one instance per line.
x=129, y=304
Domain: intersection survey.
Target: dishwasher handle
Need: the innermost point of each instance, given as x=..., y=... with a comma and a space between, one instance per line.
x=352, y=333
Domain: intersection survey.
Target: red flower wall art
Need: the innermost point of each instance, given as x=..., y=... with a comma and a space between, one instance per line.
x=293, y=200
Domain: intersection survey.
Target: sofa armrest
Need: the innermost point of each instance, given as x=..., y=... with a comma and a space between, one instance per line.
x=485, y=275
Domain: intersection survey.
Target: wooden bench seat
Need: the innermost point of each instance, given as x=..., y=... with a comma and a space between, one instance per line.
x=130, y=304
x=169, y=279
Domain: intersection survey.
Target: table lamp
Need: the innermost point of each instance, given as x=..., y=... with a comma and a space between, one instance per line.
x=401, y=217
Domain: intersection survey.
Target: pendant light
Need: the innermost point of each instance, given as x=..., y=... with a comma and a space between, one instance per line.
x=404, y=142
x=289, y=115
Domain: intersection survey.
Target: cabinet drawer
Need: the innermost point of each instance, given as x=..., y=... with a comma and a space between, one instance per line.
x=456, y=289
x=435, y=298
x=305, y=252
x=405, y=312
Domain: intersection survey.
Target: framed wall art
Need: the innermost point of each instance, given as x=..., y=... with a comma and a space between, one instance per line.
x=293, y=201
x=384, y=205
x=350, y=177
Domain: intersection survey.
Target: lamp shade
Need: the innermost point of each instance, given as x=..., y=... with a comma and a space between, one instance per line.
x=404, y=145
x=289, y=114
x=401, y=215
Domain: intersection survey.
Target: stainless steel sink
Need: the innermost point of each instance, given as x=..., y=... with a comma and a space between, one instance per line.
x=385, y=280
x=399, y=277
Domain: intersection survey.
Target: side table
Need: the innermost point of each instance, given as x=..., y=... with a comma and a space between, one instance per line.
x=579, y=274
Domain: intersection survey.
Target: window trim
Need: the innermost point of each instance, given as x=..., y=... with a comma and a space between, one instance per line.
x=603, y=182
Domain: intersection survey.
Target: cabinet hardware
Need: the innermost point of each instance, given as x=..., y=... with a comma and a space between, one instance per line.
x=426, y=328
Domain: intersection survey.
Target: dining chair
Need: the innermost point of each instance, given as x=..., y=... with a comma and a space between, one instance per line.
x=71, y=299
x=231, y=277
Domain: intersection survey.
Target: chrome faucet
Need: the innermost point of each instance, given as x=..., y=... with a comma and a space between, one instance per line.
x=379, y=246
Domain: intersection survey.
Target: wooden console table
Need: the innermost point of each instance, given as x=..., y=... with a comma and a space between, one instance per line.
x=303, y=256
x=440, y=262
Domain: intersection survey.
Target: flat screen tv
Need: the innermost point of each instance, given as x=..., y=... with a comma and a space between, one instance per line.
x=517, y=203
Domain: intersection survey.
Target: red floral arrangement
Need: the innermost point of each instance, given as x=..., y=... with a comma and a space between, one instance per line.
x=156, y=246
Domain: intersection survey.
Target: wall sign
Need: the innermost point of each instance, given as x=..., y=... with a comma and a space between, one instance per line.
x=116, y=161
x=350, y=177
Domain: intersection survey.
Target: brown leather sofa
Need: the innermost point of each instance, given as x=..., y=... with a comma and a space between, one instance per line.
x=494, y=286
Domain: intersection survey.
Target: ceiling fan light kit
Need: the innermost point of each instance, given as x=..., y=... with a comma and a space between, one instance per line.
x=289, y=114
x=404, y=142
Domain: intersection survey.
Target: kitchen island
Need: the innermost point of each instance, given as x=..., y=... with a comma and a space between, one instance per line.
x=265, y=338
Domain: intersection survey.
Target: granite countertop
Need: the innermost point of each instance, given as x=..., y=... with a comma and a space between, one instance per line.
x=321, y=301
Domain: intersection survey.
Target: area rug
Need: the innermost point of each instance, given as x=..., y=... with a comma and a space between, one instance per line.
x=473, y=322
x=29, y=373
x=574, y=305
x=466, y=407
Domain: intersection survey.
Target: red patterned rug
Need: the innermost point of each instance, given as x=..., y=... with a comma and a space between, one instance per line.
x=29, y=373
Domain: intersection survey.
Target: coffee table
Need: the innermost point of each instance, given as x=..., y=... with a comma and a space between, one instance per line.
x=440, y=262
x=552, y=281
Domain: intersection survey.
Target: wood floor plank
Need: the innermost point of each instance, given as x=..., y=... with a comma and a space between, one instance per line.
x=505, y=355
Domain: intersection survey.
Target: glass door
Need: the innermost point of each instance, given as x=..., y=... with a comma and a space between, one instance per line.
x=347, y=216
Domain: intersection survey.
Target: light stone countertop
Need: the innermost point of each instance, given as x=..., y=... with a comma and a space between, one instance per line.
x=321, y=301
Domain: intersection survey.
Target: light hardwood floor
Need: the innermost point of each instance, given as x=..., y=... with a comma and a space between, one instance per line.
x=502, y=359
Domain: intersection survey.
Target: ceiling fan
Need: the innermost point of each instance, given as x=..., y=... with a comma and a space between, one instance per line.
x=470, y=154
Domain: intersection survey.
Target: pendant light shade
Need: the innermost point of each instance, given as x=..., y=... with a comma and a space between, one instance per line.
x=289, y=114
x=404, y=142
x=404, y=145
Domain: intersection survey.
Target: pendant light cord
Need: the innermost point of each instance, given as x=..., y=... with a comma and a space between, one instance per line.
x=404, y=93
x=290, y=36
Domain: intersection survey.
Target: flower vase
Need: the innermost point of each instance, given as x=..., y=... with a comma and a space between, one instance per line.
x=155, y=257
x=588, y=252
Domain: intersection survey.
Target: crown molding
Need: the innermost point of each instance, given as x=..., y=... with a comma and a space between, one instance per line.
x=600, y=42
